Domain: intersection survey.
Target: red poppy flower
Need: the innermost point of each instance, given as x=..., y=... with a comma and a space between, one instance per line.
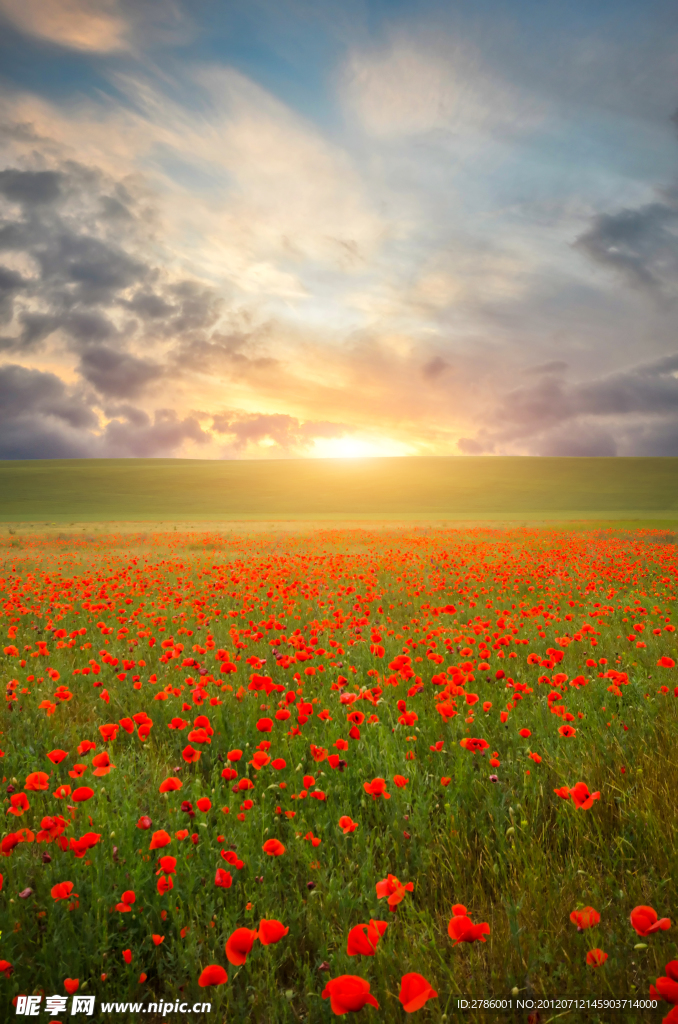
x=596, y=958
x=400, y=781
x=144, y=822
x=234, y=755
x=414, y=992
x=645, y=921
x=102, y=764
x=127, y=956
x=168, y=865
x=170, y=785
x=212, y=975
x=223, y=879
x=37, y=781
x=6, y=968
x=346, y=825
x=8, y=843
x=78, y=771
x=394, y=889
x=363, y=939
x=581, y=796
x=109, y=732
x=525, y=733
x=127, y=724
x=348, y=994
x=203, y=803
x=85, y=747
x=19, y=804
x=475, y=746
x=273, y=847
x=71, y=985
x=586, y=918
x=165, y=883
x=81, y=794
x=239, y=945
x=57, y=756
x=126, y=901
x=157, y=939
x=190, y=755
x=271, y=931
x=278, y=763
x=377, y=787
x=63, y=891
x=159, y=839
x=462, y=929
x=567, y=730
x=563, y=792
x=667, y=987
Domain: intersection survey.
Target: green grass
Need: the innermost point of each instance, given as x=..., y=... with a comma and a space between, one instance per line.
x=443, y=488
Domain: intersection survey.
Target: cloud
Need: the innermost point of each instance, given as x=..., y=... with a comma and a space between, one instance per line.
x=85, y=25
x=416, y=83
x=622, y=413
x=30, y=188
x=100, y=26
x=641, y=245
x=41, y=418
x=118, y=374
x=11, y=284
x=135, y=435
x=284, y=434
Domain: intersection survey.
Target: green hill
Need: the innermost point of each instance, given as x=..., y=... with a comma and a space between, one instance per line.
x=91, y=490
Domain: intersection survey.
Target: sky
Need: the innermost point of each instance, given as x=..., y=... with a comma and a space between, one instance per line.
x=307, y=228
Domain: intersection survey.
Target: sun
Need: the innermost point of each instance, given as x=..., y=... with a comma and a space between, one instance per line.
x=356, y=448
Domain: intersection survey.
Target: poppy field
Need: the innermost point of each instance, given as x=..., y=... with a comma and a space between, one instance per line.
x=294, y=777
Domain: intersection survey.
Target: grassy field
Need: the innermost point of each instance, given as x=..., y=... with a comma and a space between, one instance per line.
x=65, y=491
x=330, y=659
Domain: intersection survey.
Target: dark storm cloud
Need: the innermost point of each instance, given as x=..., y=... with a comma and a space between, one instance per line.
x=640, y=244
x=199, y=307
x=41, y=418
x=286, y=432
x=149, y=306
x=83, y=231
x=87, y=271
x=118, y=374
x=11, y=284
x=137, y=436
x=30, y=188
x=81, y=327
x=620, y=413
